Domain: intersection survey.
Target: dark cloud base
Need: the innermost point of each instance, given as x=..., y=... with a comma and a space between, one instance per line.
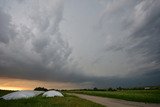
x=39, y=52
x=147, y=79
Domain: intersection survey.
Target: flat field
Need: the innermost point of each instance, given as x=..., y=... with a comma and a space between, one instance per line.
x=39, y=101
x=148, y=96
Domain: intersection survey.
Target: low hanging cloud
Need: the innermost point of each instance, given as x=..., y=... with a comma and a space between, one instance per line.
x=33, y=47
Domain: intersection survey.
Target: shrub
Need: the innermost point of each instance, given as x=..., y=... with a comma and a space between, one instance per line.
x=40, y=89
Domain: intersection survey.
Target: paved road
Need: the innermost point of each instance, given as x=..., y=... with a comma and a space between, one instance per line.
x=109, y=102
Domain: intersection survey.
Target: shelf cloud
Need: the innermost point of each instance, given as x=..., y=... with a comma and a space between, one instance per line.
x=99, y=43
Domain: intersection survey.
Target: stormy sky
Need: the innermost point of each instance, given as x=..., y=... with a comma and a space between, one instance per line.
x=86, y=43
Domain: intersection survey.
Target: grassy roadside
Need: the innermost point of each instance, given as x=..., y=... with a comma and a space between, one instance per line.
x=147, y=96
x=39, y=101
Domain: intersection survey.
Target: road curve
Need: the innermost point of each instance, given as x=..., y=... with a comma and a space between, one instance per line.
x=110, y=102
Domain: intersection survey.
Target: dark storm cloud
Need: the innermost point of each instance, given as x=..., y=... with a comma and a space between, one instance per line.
x=134, y=32
x=147, y=79
x=150, y=46
x=148, y=32
x=5, y=32
x=38, y=51
x=32, y=46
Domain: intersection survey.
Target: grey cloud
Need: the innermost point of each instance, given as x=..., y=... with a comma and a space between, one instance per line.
x=149, y=34
x=33, y=47
x=5, y=23
x=147, y=79
x=133, y=32
x=39, y=51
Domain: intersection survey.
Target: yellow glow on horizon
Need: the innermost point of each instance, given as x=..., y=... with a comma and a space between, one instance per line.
x=13, y=88
x=22, y=84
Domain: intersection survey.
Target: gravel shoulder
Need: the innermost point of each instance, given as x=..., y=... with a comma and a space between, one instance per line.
x=110, y=102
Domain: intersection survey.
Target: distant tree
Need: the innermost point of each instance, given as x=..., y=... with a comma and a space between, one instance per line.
x=111, y=89
x=40, y=89
x=52, y=89
x=95, y=88
x=119, y=88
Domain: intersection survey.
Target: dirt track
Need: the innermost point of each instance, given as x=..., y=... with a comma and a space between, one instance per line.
x=109, y=102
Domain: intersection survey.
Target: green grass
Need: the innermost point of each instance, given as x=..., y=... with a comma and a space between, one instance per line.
x=148, y=96
x=39, y=101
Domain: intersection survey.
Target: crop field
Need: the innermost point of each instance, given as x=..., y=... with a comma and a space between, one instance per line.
x=39, y=101
x=148, y=96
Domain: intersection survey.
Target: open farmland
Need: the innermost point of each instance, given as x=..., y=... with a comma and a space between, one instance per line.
x=148, y=96
x=39, y=101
